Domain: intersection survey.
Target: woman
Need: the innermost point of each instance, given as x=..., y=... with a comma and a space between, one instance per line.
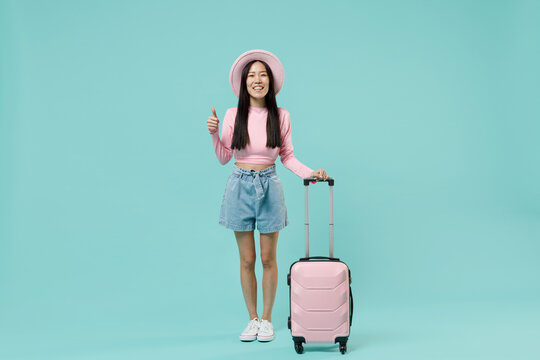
x=255, y=133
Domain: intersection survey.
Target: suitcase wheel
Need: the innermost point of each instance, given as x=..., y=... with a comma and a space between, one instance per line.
x=298, y=347
x=343, y=347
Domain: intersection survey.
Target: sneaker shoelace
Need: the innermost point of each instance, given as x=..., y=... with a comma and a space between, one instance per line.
x=253, y=325
x=265, y=326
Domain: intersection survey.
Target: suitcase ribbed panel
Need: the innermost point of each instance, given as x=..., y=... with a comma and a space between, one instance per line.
x=320, y=274
x=320, y=300
x=320, y=336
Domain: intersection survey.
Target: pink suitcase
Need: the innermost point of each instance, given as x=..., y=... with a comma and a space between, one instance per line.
x=321, y=304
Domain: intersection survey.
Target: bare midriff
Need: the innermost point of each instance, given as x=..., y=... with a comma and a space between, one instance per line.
x=256, y=167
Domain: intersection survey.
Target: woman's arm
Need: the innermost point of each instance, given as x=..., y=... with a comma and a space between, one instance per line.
x=286, y=151
x=223, y=147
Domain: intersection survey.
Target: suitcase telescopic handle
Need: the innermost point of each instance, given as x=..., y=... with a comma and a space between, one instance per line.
x=330, y=182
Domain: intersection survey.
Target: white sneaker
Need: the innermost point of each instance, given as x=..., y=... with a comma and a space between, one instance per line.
x=251, y=330
x=266, y=331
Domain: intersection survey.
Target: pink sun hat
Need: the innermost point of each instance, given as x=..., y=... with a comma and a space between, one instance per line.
x=235, y=76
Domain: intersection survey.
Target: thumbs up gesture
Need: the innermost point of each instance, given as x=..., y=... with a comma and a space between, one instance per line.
x=213, y=122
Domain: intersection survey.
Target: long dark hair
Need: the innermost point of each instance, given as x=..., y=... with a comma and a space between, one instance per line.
x=273, y=131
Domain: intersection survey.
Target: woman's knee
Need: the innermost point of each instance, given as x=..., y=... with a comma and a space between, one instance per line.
x=247, y=261
x=268, y=249
x=246, y=247
x=268, y=260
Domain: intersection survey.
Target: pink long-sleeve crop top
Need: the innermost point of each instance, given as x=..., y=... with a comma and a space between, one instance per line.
x=256, y=152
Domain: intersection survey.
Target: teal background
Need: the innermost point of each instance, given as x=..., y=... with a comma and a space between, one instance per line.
x=425, y=113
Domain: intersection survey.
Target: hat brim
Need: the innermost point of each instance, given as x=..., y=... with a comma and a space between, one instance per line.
x=235, y=75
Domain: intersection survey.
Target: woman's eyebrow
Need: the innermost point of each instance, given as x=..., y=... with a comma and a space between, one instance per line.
x=251, y=72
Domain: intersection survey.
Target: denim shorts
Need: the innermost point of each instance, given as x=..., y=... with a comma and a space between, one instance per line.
x=254, y=197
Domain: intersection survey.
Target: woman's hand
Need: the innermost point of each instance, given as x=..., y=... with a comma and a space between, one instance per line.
x=213, y=122
x=320, y=174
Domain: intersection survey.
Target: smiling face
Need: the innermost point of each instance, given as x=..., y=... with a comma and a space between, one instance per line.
x=257, y=83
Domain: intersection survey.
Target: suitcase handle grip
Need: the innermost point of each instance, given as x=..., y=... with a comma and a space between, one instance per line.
x=316, y=180
x=319, y=258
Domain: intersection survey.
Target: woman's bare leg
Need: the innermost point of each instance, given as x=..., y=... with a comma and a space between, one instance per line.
x=246, y=248
x=270, y=272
